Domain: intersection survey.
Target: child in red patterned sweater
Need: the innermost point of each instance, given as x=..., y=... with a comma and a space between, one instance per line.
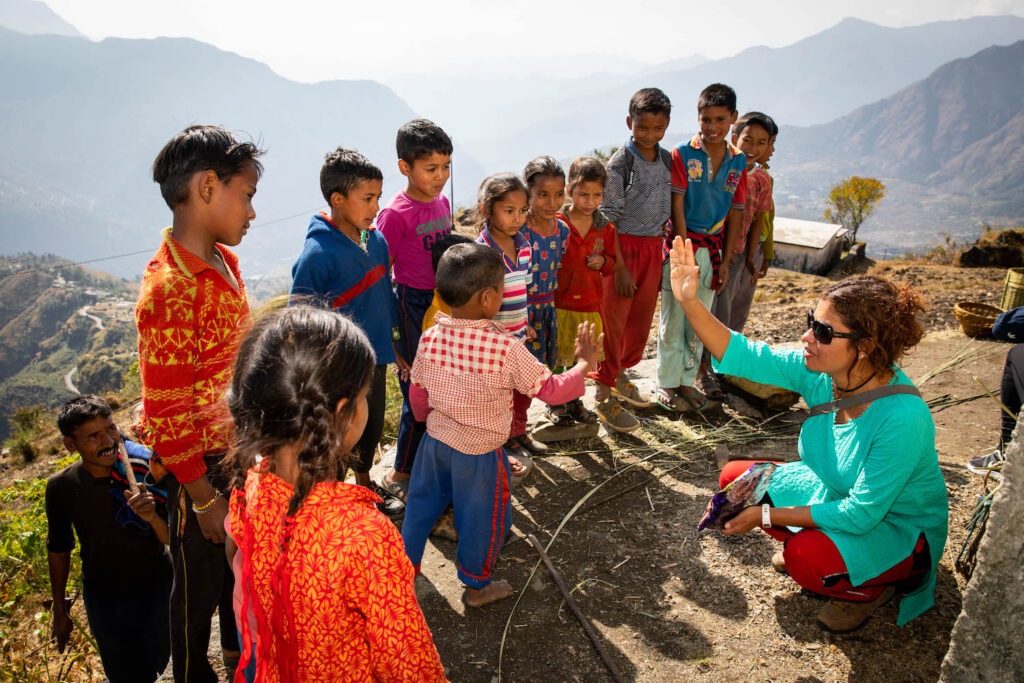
x=191, y=315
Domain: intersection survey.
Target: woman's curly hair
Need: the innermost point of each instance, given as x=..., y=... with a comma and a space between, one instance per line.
x=884, y=312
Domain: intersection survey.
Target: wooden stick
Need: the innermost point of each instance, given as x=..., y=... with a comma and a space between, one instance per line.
x=587, y=628
x=129, y=473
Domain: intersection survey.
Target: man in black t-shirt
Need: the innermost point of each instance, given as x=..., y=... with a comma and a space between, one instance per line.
x=126, y=574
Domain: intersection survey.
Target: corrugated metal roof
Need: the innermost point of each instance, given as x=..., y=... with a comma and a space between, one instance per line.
x=801, y=233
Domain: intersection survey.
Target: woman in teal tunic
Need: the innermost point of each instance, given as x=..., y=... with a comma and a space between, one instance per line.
x=864, y=513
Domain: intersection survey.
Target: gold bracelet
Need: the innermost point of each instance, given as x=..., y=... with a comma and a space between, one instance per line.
x=205, y=507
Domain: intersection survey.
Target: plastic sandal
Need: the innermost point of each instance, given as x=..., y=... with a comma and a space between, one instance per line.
x=578, y=412
x=561, y=415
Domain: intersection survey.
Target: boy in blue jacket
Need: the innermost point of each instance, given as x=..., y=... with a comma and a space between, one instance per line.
x=344, y=266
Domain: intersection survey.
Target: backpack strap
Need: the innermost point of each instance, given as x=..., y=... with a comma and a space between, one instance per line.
x=627, y=178
x=866, y=397
x=666, y=158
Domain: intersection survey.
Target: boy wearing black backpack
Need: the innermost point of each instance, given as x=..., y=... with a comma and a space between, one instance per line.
x=638, y=200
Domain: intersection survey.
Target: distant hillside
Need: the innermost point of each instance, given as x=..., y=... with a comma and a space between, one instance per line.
x=57, y=318
x=491, y=86
x=809, y=82
x=951, y=148
x=80, y=124
x=31, y=16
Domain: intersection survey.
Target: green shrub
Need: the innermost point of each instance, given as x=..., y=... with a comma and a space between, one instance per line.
x=24, y=449
x=131, y=381
x=25, y=581
x=27, y=423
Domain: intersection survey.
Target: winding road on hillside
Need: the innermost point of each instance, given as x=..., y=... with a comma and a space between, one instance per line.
x=97, y=321
x=98, y=324
x=68, y=383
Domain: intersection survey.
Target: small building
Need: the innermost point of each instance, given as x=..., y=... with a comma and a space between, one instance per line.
x=807, y=246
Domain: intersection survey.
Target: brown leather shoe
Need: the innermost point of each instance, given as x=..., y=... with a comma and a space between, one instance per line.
x=841, y=616
x=779, y=563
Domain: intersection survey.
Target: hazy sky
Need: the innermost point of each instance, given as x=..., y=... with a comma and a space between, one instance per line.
x=311, y=40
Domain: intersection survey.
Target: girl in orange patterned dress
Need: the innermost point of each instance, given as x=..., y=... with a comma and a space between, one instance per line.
x=323, y=572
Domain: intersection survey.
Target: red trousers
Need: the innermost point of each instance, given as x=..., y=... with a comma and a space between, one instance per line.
x=814, y=562
x=520, y=404
x=627, y=321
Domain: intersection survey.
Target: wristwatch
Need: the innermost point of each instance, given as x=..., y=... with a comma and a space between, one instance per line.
x=766, y=517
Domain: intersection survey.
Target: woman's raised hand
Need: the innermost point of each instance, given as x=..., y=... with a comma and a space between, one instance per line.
x=684, y=270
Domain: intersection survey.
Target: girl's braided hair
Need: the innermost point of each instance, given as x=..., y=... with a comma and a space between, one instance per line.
x=293, y=368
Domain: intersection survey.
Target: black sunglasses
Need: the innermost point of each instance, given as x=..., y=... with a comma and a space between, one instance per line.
x=823, y=332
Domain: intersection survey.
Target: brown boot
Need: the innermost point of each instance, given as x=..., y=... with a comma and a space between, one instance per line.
x=779, y=563
x=840, y=616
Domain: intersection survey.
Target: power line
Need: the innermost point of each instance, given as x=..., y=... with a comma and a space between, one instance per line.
x=147, y=250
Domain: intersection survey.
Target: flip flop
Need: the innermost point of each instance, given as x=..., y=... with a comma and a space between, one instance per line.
x=692, y=400
x=673, y=402
x=516, y=468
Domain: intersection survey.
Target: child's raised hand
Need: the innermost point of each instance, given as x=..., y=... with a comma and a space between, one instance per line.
x=684, y=271
x=595, y=261
x=588, y=349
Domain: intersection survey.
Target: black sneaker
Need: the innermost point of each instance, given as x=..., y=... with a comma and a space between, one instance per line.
x=990, y=463
x=391, y=505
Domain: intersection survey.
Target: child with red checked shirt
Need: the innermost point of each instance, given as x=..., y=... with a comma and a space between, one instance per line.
x=466, y=369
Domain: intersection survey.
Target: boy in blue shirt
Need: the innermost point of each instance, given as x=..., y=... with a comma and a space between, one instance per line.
x=708, y=198
x=345, y=266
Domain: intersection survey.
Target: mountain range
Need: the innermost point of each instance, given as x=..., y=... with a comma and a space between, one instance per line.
x=80, y=122
x=34, y=17
x=812, y=81
x=951, y=144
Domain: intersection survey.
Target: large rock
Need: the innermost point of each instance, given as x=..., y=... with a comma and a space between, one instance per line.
x=1003, y=249
x=988, y=639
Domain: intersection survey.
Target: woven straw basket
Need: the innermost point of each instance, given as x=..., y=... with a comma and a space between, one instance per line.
x=976, y=319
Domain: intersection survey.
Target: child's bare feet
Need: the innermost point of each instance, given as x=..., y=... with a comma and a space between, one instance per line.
x=492, y=592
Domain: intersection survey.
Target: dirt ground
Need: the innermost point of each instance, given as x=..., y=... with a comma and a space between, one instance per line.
x=670, y=604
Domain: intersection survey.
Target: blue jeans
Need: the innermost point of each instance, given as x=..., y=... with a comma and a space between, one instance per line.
x=249, y=672
x=412, y=306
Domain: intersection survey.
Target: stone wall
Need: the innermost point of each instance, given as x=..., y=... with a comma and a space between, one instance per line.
x=988, y=638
